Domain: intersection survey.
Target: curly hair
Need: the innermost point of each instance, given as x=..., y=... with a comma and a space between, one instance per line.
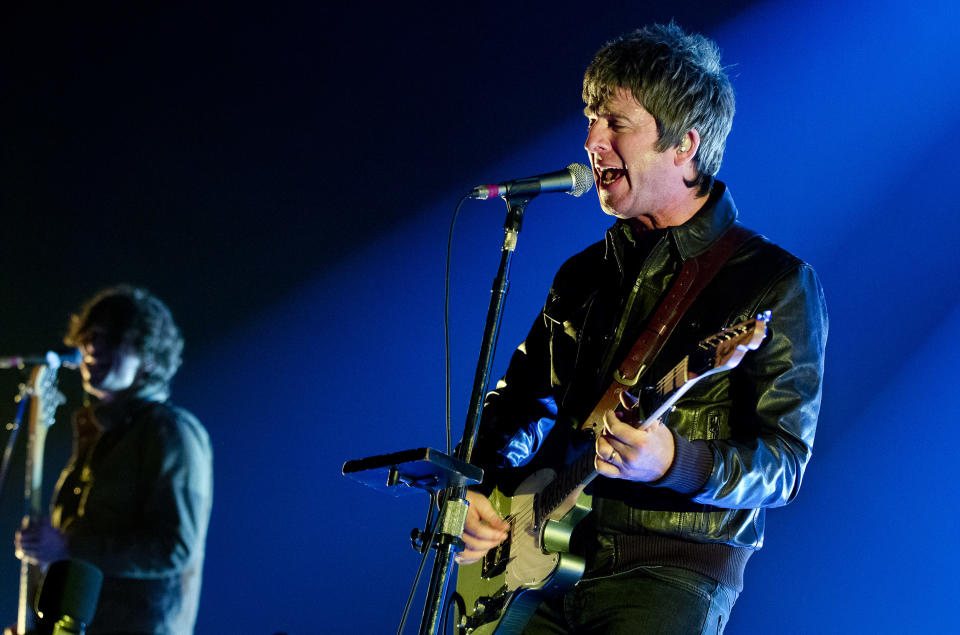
x=678, y=79
x=134, y=317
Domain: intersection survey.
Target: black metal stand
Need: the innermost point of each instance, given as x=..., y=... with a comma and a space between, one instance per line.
x=14, y=427
x=428, y=469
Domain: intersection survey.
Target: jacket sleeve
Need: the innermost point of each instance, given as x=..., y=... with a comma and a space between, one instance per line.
x=520, y=411
x=776, y=404
x=177, y=478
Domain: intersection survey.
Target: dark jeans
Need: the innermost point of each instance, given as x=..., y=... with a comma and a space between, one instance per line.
x=661, y=600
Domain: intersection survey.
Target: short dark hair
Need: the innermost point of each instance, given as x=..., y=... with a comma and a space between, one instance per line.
x=678, y=79
x=134, y=317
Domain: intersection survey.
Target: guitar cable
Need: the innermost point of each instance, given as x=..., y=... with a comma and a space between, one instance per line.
x=461, y=612
x=426, y=540
x=446, y=325
x=437, y=501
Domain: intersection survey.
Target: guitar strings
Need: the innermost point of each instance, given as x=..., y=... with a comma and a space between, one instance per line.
x=525, y=516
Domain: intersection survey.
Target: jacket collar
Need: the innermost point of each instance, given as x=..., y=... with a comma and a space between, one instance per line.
x=120, y=412
x=690, y=239
x=710, y=223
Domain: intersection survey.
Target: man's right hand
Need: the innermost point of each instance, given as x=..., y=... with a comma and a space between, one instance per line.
x=483, y=530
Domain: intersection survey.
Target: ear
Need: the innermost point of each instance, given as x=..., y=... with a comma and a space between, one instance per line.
x=687, y=149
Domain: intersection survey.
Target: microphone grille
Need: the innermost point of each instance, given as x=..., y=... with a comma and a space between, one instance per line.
x=582, y=179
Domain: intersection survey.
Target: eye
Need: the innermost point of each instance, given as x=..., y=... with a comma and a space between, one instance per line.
x=616, y=125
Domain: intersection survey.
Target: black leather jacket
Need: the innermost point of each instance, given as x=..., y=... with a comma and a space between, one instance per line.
x=743, y=438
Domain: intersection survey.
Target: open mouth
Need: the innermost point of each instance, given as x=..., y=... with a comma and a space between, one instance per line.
x=609, y=176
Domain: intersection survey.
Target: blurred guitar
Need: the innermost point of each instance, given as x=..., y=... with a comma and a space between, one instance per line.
x=44, y=401
x=502, y=590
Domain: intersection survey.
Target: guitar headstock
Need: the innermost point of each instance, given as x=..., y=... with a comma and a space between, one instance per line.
x=45, y=397
x=724, y=350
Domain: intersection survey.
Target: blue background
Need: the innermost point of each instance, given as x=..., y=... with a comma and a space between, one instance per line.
x=284, y=178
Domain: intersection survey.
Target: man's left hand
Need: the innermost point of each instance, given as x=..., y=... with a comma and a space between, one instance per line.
x=39, y=543
x=630, y=453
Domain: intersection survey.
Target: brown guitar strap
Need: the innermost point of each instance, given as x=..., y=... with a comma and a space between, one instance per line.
x=695, y=274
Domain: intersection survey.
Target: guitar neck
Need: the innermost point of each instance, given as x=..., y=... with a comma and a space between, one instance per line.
x=720, y=352
x=572, y=477
x=45, y=398
x=671, y=387
x=33, y=483
x=582, y=470
x=29, y=585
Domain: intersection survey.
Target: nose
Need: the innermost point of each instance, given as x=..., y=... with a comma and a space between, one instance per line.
x=598, y=138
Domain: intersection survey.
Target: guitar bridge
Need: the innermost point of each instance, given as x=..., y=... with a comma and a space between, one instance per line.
x=487, y=608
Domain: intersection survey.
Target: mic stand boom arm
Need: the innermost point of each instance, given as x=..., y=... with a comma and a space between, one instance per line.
x=454, y=513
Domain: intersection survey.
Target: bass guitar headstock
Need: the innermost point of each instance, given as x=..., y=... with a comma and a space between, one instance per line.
x=45, y=397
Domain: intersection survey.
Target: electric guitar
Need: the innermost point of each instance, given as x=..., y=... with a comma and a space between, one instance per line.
x=44, y=401
x=501, y=591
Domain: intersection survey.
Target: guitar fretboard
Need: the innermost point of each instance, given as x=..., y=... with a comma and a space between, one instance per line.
x=581, y=471
x=721, y=351
x=578, y=473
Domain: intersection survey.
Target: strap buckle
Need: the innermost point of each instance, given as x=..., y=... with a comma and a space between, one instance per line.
x=620, y=379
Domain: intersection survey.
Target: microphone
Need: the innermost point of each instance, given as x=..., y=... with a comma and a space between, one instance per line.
x=68, y=597
x=574, y=180
x=65, y=356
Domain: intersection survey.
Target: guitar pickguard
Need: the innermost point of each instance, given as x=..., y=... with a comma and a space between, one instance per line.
x=502, y=591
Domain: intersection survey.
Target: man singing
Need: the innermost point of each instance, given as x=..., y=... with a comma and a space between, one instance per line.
x=679, y=505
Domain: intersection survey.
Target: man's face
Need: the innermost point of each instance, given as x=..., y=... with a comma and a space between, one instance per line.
x=633, y=180
x=107, y=368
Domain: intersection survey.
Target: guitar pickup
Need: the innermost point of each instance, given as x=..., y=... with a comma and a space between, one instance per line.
x=496, y=560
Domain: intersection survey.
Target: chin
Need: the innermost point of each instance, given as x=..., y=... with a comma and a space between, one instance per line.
x=616, y=214
x=610, y=211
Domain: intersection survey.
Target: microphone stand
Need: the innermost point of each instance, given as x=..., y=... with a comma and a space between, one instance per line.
x=14, y=428
x=428, y=469
x=455, y=511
